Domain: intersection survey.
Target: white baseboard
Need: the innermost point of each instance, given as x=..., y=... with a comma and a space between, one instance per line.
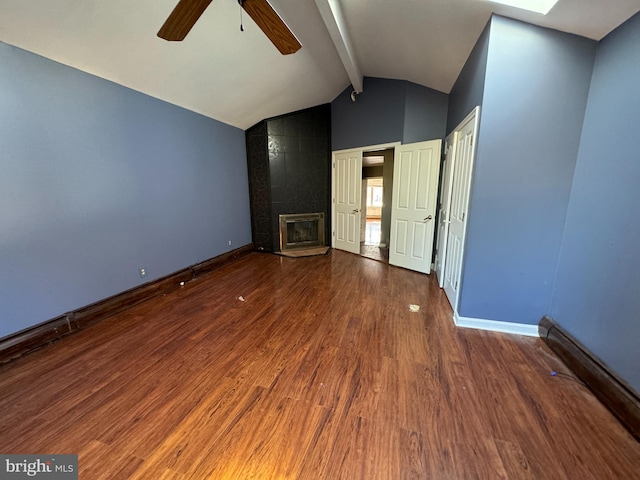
x=495, y=326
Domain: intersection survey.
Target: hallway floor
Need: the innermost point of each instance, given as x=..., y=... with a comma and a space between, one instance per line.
x=370, y=248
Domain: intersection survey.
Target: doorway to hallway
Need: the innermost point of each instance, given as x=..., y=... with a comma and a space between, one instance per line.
x=371, y=247
x=377, y=179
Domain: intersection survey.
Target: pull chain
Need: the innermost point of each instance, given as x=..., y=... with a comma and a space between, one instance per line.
x=241, y=26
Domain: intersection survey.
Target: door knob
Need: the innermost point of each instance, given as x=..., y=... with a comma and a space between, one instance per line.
x=428, y=218
x=355, y=211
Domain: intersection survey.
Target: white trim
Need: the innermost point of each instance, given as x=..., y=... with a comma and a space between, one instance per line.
x=495, y=326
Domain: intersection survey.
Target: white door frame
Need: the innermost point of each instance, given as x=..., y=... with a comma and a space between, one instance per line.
x=475, y=113
x=370, y=148
x=446, y=184
x=363, y=210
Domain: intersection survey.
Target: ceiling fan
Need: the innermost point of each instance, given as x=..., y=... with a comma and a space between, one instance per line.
x=187, y=13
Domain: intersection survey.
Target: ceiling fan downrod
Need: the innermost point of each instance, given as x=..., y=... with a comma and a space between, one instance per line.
x=241, y=25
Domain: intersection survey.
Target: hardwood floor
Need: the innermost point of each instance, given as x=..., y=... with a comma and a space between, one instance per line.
x=320, y=371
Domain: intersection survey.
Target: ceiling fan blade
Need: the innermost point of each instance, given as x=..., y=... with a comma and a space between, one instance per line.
x=272, y=25
x=182, y=19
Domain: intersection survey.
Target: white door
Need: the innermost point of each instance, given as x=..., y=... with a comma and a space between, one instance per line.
x=462, y=170
x=413, y=209
x=444, y=204
x=347, y=182
x=363, y=211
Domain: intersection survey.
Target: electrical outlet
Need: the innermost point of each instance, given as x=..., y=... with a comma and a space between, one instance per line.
x=229, y=242
x=143, y=272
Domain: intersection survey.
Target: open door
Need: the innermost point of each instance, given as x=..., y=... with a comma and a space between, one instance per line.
x=413, y=211
x=347, y=184
x=444, y=204
x=363, y=211
x=462, y=170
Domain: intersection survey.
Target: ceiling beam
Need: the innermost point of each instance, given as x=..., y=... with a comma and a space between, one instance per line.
x=331, y=14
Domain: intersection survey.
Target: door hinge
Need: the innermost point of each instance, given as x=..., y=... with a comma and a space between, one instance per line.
x=333, y=233
x=456, y=287
x=463, y=215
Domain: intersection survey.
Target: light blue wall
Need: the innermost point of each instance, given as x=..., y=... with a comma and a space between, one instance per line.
x=387, y=111
x=98, y=180
x=597, y=290
x=535, y=92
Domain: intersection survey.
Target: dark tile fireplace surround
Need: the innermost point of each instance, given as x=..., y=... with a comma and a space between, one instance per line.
x=289, y=162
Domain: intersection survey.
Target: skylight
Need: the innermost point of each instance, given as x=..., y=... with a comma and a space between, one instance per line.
x=537, y=6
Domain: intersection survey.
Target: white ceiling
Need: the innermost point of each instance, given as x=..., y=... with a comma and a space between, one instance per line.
x=372, y=160
x=239, y=77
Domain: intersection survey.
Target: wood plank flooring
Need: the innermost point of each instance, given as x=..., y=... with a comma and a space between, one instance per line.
x=322, y=372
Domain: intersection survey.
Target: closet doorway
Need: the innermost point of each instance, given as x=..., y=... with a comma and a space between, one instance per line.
x=460, y=152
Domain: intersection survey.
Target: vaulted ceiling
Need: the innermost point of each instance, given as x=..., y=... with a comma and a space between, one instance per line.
x=240, y=78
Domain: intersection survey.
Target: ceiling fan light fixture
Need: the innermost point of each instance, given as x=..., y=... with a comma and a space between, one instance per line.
x=542, y=7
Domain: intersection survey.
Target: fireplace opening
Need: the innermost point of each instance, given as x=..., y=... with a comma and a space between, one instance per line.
x=301, y=230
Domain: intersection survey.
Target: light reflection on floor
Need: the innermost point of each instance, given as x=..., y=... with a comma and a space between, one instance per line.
x=372, y=232
x=370, y=248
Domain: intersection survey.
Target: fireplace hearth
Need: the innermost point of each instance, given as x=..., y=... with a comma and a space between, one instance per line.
x=301, y=230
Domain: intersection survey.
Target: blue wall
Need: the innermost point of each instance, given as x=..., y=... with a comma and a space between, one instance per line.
x=98, y=180
x=425, y=114
x=535, y=92
x=468, y=90
x=597, y=291
x=387, y=111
